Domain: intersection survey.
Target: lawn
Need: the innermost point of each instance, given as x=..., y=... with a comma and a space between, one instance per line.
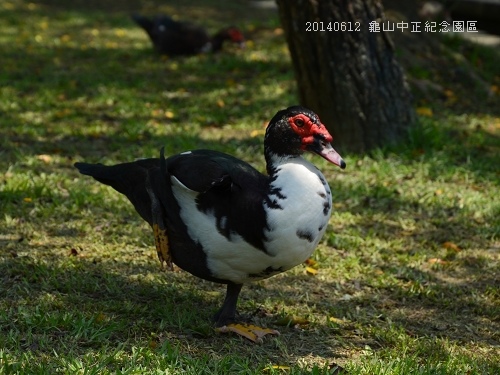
x=406, y=280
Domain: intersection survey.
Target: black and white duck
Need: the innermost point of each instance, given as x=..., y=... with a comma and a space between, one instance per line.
x=220, y=219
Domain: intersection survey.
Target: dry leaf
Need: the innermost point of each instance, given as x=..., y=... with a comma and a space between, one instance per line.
x=152, y=344
x=449, y=93
x=252, y=332
x=45, y=158
x=289, y=320
x=425, y=111
x=451, y=246
x=438, y=261
x=257, y=133
x=220, y=103
x=336, y=320
x=120, y=32
x=100, y=318
x=311, y=263
x=27, y=200
x=311, y=271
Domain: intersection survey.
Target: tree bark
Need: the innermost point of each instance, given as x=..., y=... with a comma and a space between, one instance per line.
x=350, y=78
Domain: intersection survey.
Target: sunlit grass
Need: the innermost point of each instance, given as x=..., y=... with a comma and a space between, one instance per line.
x=407, y=274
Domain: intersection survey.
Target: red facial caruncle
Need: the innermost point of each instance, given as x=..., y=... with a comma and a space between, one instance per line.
x=236, y=35
x=307, y=129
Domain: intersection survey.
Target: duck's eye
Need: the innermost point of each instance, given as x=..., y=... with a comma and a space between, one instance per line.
x=299, y=122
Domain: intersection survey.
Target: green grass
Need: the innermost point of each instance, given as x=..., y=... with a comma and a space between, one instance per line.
x=408, y=273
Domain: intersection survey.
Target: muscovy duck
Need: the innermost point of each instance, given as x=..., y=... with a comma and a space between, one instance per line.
x=220, y=219
x=176, y=38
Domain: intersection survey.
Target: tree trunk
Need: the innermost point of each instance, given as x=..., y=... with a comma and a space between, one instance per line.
x=350, y=78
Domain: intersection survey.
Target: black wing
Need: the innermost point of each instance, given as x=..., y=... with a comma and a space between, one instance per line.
x=230, y=189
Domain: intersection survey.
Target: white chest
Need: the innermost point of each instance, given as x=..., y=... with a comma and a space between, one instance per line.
x=299, y=213
x=297, y=210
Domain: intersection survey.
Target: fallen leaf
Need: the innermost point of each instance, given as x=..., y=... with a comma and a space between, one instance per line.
x=169, y=114
x=27, y=199
x=336, y=320
x=152, y=344
x=45, y=158
x=252, y=332
x=257, y=133
x=311, y=271
x=220, y=103
x=449, y=93
x=425, y=111
x=437, y=261
x=290, y=320
x=451, y=246
x=311, y=263
x=100, y=318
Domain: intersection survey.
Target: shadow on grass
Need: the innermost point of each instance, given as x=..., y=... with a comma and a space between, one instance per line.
x=89, y=91
x=79, y=286
x=81, y=305
x=424, y=304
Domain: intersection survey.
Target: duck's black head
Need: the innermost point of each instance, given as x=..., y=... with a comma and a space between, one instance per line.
x=295, y=130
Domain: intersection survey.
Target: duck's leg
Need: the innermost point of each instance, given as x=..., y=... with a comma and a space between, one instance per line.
x=227, y=312
x=225, y=318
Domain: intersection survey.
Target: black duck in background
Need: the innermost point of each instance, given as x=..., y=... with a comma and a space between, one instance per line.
x=177, y=38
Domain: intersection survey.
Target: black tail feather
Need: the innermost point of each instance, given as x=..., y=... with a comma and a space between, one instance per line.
x=144, y=22
x=130, y=179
